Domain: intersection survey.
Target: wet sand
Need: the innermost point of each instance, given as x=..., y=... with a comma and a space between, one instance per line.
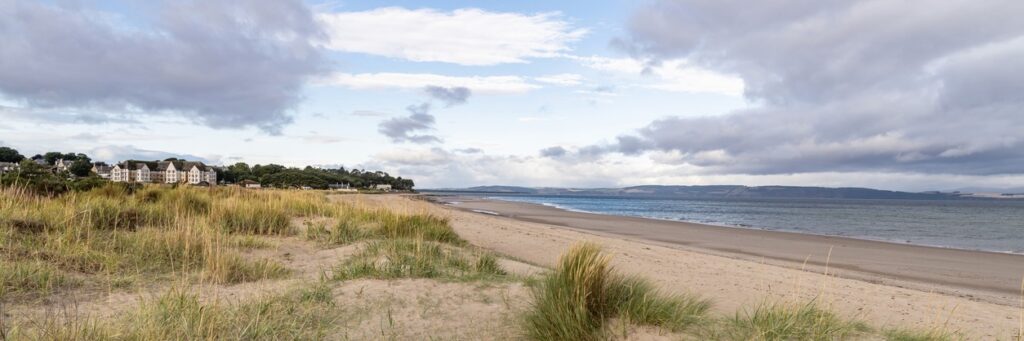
x=995, y=277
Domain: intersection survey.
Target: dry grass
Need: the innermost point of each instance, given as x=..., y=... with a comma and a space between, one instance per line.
x=111, y=233
x=301, y=314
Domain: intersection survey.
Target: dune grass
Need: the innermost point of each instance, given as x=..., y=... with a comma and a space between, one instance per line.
x=417, y=258
x=31, y=277
x=114, y=232
x=788, y=321
x=355, y=225
x=300, y=314
x=575, y=301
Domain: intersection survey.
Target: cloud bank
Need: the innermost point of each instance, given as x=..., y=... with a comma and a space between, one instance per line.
x=225, y=64
x=867, y=86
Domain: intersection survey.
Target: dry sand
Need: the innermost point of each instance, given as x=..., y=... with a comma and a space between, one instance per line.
x=886, y=285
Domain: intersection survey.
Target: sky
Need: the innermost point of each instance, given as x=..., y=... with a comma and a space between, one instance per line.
x=882, y=94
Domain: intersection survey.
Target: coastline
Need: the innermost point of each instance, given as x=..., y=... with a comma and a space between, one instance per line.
x=991, y=276
x=735, y=282
x=748, y=227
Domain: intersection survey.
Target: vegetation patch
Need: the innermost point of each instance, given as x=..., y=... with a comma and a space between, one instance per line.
x=31, y=278
x=354, y=225
x=415, y=258
x=575, y=301
x=780, y=321
x=303, y=314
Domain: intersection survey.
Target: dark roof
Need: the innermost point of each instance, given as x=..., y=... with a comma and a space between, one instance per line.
x=160, y=166
x=182, y=165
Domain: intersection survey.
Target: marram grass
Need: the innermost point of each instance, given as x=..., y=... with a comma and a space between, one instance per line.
x=575, y=301
x=417, y=258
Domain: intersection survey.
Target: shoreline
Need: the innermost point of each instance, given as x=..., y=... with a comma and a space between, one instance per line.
x=754, y=228
x=975, y=274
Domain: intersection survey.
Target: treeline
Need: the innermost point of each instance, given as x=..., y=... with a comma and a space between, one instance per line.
x=319, y=178
x=36, y=173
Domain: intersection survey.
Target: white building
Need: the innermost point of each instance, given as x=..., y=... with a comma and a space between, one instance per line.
x=169, y=172
x=386, y=188
x=7, y=167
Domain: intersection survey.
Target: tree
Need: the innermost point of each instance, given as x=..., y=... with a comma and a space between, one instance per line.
x=81, y=167
x=35, y=178
x=10, y=155
x=52, y=157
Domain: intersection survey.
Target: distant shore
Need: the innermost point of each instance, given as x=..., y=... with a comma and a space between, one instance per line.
x=993, y=276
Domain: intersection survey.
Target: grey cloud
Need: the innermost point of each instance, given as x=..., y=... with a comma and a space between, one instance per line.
x=403, y=129
x=221, y=63
x=63, y=116
x=469, y=150
x=553, y=152
x=450, y=96
x=845, y=86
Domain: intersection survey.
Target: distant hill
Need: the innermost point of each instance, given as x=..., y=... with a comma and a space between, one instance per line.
x=719, y=191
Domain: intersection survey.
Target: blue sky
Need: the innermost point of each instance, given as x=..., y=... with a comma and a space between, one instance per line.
x=567, y=93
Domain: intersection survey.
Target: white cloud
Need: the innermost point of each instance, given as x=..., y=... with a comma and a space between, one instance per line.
x=415, y=157
x=564, y=79
x=437, y=168
x=464, y=36
x=418, y=81
x=676, y=75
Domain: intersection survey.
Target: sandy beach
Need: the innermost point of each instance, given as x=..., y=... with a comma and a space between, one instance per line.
x=884, y=284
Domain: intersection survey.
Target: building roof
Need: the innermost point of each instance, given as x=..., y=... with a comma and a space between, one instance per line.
x=160, y=166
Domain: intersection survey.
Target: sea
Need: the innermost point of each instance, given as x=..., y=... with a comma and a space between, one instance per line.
x=988, y=225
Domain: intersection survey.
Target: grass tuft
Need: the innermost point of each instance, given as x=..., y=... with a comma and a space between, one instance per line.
x=778, y=321
x=407, y=258
x=575, y=301
x=31, y=278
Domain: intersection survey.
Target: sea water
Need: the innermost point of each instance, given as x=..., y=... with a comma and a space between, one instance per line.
x=990, y=225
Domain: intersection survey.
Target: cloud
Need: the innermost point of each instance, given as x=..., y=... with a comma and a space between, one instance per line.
x=553, y=152
x=673, y=75
x=64, y=116
x=563, y=79
x=403, y=129
x=221, y=63
x=418, y=81
x=450, y=96
x=841, y=87
x=463, y=36
x=118, y=153
x=469, y=150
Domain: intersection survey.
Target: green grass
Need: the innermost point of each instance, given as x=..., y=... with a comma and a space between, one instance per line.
x=782, y=321
x=31, y=278
x=408, y=258
x=233, y=269
x=575, y=301
x=355, y=225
